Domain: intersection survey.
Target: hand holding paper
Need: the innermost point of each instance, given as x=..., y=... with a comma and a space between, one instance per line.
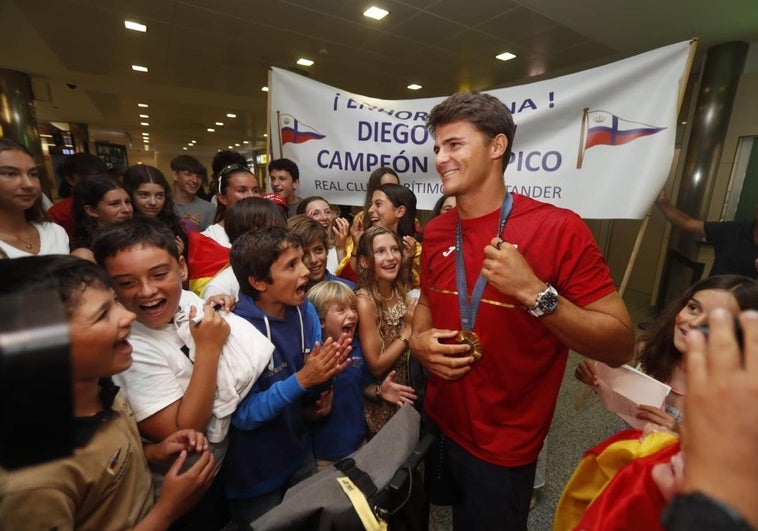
x=623, y=389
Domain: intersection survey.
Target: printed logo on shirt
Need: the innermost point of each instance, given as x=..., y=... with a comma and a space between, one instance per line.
x=449, y=251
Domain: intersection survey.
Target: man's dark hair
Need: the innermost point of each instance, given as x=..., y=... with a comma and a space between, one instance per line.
x=254, y=252
x=187, y=163
x=64, y=274
x=252, y=213
x=486, y=113
x=133, y=233
x=285, y=165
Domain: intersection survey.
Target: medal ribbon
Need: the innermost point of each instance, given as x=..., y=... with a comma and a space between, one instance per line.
x=468, y=311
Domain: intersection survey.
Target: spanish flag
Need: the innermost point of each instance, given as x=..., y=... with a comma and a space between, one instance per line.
x=206, y=258
x=612, y=487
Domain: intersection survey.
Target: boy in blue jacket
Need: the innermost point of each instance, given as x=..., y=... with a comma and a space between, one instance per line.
x=269, y=445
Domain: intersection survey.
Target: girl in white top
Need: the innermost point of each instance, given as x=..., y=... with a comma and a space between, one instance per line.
x=24, y=229
x=235, y=182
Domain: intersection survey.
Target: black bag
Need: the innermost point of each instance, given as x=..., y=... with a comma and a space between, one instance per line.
x=385, y=471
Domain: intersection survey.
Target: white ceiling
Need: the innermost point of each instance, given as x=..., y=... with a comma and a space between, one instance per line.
x=211, y=57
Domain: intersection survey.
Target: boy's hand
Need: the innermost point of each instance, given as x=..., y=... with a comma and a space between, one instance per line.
x=396, y=393
x=222, y=302
x=320, y=408
x=325, y=362
x=182, y=490
x=211, y=333
x=161, y=455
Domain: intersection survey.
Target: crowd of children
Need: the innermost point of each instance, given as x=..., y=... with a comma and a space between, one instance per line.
x=218, y=361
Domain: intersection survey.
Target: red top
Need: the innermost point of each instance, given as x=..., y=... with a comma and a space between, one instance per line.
x=501, y=410
x=60, y=212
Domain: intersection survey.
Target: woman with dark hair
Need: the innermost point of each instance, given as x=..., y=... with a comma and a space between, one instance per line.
x=99, y=201
x=443, y=204
x=150, y=194
x=380, y=176
x=235, y=182
x=663, y=346
x=24, y=227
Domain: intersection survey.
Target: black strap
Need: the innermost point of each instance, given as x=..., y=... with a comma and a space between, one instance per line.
x=361, y=480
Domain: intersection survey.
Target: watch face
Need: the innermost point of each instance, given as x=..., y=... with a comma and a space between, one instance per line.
x=548, y=300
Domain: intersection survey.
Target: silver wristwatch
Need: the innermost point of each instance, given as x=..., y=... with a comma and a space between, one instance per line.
x=547, y=302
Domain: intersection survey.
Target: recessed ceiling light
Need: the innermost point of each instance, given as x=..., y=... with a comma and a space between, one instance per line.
x=147, y=147
x=136, y=26
x=231, y=115
x=146, y=124
x=139, y=68
x=144, y=116
x=145, y=134
x=414, y=86
x=265, y=135
x=143, y=105
x=194, y=141
x=377, y=13
x=505, y=56
x=211, y=130
x=304, y=62
x=237, y=145
x=220, y=124
x=264, y=89
x=245, y=141
x=184, y=148
x=231, y=147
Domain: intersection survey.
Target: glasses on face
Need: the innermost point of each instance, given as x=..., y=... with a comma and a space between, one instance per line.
x=232, y=168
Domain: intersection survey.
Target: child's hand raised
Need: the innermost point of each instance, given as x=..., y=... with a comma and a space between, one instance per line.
x=209, y=334
x=396, y=393
x=325, y=362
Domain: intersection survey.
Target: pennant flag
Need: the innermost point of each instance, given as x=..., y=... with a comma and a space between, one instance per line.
x=296, y=132
x=608, y=129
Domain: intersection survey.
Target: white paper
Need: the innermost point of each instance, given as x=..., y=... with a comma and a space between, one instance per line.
x=624, y=388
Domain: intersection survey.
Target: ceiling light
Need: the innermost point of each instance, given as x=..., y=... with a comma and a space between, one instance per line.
x=245, y=141
x=211, y=130
x=136, y=26
x=231, y=147
x=184, y=148
x=265, y=135
x=146, y=124
x=147, y=147
x=194, y=141
x=264, y=89
x=377, y=13
x=414, y=86
x=231, y=115
x=143, y=105
x=304, y=62
x=144, y=116
x=505, y=56
x=146, y=134
x=237, y=145
x=139, y=68
x=220, y=124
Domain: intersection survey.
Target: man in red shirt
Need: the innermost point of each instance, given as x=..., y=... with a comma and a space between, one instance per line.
x=534, y=284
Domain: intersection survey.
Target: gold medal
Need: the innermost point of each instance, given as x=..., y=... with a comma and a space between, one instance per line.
x=472, y=340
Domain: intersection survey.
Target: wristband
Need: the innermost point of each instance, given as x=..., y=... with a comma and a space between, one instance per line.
x=404, y=340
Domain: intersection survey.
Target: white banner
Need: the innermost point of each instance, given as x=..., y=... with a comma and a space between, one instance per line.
x=599, y=142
